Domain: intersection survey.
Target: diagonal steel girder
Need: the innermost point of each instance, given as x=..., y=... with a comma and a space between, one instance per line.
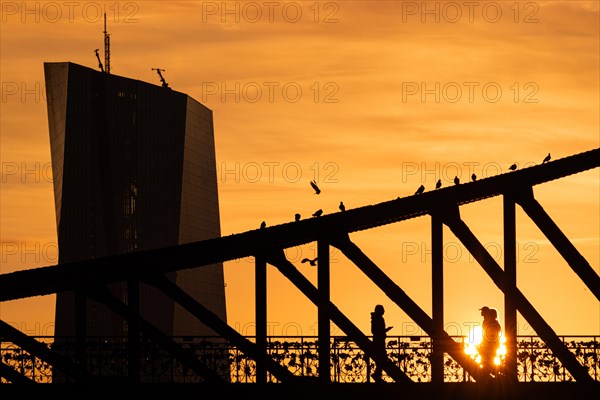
x=491, y=267
x=9, y=373
x=213, y=321
x=288, y=270
x=412, y=309
x=44, y=353
x=559, y=240
x=104, y=296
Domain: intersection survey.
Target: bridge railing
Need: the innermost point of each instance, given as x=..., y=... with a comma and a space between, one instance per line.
x=108, y=358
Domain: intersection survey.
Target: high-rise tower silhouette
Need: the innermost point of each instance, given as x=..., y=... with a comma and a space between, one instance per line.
x=134, y=169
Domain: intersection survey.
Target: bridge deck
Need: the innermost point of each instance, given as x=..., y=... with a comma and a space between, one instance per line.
x=312, y=391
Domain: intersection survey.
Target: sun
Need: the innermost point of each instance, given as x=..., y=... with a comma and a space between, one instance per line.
x=473, y=340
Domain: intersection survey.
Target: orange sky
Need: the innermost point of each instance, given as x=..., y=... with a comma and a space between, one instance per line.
x=371, y=99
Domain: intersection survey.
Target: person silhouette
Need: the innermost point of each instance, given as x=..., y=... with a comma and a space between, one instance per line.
x=490, y=341
x=379, y=331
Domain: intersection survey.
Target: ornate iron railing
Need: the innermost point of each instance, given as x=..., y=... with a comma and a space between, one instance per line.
x=299, y=354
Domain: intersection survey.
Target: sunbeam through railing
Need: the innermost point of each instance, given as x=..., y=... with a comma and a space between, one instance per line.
x=108, y=358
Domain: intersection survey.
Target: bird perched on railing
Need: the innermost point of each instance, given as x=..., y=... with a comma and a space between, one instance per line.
x=456, y=180
x=438, y=184
x=420, y=190
x=318, y=213
x=297, y=217
x=474, y=177
x=546, y=159
x=342, y=206
x=513, y=167
x=263, y=225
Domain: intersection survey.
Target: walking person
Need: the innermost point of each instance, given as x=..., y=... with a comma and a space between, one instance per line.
x=490, y=341
x=379, y=331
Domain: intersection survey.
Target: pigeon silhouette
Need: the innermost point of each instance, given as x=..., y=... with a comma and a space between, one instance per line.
x=474, y=177
x=438, y=184
x=546, y=159
x=420, y=190
x=312, y=262
x=318, y=213
x=263, y=225
x=456, y=180
x=297, y=217
x=513, y=167
x=342, y=206
x=315, y=187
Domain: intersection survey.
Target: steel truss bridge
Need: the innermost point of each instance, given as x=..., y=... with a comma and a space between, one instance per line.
x=322, y=366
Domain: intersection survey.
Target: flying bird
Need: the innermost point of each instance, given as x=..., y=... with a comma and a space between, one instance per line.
x=438, y=184
x=318, y=213
x=263, y=225
x=312, y=262
x=546, y=159
x=513, y=167
x=315, y=187
x=420, y=190
x=297, y=217
x=342, y=206
x=456, y=180
x=474, y=177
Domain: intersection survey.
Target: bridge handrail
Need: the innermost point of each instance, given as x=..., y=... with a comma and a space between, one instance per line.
x=299, y=354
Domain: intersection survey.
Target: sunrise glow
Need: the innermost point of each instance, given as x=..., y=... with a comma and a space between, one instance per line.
x=371, y=100
x=473, y=340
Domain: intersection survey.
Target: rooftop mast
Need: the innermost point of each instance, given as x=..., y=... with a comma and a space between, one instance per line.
x=106, y=48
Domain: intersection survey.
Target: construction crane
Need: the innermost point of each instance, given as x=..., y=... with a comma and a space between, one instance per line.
x=99, y=62
x=162, y=79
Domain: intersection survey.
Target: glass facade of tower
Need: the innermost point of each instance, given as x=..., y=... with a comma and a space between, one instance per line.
x=134, y=169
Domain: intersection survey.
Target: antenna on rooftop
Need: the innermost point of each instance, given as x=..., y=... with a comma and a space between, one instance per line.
x=162, y=79
x=99, y=62
x=106, y=48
